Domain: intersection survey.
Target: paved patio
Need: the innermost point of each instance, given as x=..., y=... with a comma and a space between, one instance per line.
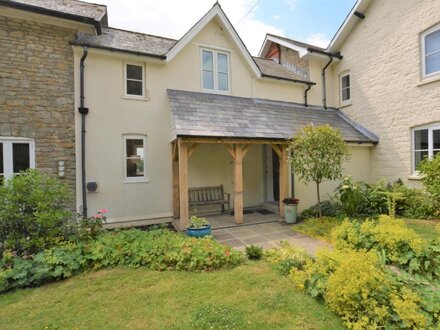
x=262, y=230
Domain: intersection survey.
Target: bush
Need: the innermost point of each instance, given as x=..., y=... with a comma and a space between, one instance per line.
x=254, y=252
x=318, y=227
x=417, y=204
x=329, y=208
x=286, y=257
x=158, y=250
x=33, y=212
x=430, y=172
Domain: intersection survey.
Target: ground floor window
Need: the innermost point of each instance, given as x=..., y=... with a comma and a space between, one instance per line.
x=426, y=143
x=134, y=158
x=15, y=155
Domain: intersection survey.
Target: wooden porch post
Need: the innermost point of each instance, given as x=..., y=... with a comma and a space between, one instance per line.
x=176, y=197
x=281, y=151
x=183, y=184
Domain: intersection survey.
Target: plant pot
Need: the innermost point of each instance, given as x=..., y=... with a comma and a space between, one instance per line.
x=199, y=232
x=290, y=213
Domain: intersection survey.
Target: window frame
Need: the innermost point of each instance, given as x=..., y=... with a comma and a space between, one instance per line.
x=8, y=161
x=433, y=29
x=431, y=128
x=127, y=179
x=134, y=96
x=341, y=76
x=215, y=53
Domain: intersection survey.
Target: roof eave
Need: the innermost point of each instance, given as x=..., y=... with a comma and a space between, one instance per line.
x=309, y=83
x=53, y=13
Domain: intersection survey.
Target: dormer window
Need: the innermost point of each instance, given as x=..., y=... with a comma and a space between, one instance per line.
x=215, y=71
x=431, y=51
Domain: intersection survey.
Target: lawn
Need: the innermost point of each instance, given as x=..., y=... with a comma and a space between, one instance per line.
x=321, y=227
x=251, y=296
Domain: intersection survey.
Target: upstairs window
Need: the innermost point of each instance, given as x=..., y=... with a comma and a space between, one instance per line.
x=15, y=155
x=426, y=142
x=431, y=51
x=215, y=71
x=134, y=80
x=134, y=162
x=345, y=87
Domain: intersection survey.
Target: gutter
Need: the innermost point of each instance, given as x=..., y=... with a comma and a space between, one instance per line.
x=53, y=13
x=111, y=49
x=323, y=52
x=83, y=111
x=308, y=83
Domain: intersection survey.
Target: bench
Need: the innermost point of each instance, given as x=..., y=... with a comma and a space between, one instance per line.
x=209, y=196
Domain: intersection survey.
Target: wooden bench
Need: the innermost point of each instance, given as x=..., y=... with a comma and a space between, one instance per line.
x=209, y=196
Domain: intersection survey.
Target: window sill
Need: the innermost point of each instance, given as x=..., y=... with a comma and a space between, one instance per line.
x=214, y=91
x=415, y=177
x=429, y=80
x=135, y=98
x=345, y=104
x=145, y=180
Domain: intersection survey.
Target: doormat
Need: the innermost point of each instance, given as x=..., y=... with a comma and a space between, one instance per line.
x=244, y=212
x=264, y=211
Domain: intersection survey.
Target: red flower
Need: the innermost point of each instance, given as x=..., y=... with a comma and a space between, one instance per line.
x=227, y=253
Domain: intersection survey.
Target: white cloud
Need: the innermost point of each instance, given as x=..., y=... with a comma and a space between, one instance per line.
x=276, y=17
x=291, y=3
x=171, y=18
x=318, y=39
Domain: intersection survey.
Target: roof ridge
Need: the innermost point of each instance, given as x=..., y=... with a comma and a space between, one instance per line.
x=297, y=41
x=142, y=33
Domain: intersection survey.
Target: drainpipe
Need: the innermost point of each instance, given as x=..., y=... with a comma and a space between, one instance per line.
x=324, y=89
x=83, y=111
x=305, y=95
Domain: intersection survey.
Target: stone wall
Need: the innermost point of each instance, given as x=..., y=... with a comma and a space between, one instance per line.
x=290, y=58
x=388, y=95
x=37, y=91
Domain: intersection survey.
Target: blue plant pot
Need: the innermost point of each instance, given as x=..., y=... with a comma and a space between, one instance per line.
x=199, y=232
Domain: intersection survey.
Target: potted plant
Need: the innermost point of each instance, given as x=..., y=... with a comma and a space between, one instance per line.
x=198, y=227
x=290, y=209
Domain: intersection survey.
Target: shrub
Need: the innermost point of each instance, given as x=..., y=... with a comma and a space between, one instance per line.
x=430, y=172
x=33, y=212
x=285, y=257
x=91, y=227
x=318, y=227
x=158, y=249
x=417, y=204
x=254, y=252
x=329, y=208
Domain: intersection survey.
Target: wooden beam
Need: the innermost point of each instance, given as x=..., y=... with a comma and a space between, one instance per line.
x=191, y=149
x=233, y=140
x=284, y=180
x=277, y=150
x=231, y=150
x=238, y=184
x=246, y=149
x=175, y=152
x=176, y=197
x=183, y=185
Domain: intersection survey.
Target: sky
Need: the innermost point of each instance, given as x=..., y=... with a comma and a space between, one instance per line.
x=311, y=21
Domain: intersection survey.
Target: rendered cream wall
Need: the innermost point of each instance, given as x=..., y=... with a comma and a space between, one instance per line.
x=111, y=115
x=383, y=54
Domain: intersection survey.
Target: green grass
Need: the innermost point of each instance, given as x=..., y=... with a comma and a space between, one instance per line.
x=321, y=227
x=251, y=296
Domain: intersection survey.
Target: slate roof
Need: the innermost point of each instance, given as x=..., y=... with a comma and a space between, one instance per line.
x=73, y=7
x=213, y=115
x=298, y=43
x=269, y=67
x=127, y=41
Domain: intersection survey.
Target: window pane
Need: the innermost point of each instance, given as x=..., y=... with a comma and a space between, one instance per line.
x=432, y=42
x=345, y=94
x=222, y=63
x=223, y=81
x=20, y=157
x=208, y=80
x=436, y=138
x=135, y=168
x=419, y=156
x=207, y=61
x=135, y=154
x=134, y=87
x=1, y=159
x=134, y=72
x=135, y=148
x=421, y=139
x=433, y=63
x=345, y=81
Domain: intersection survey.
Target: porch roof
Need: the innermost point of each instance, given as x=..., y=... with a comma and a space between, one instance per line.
x=196, y=114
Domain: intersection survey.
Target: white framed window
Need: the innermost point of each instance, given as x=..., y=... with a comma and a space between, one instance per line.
x=345, y=88
x=431, y=51
x=426, y=143
x=215, y=70
x=134, y=158
x=134, y=85
x=16, y=154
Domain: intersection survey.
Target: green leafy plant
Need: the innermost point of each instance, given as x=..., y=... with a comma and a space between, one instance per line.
x=34, y=212
x=430, y=172
x=392, y=198
x=329, y=208
x=317, y=155
x=91, y=227
x=254, y=252
x=285, y=257
x=197, y=222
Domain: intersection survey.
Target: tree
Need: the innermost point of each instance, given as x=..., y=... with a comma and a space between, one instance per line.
x=317, y=155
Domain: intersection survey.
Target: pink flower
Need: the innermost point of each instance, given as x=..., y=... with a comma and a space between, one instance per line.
x=103, y=211
x=98, y=216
